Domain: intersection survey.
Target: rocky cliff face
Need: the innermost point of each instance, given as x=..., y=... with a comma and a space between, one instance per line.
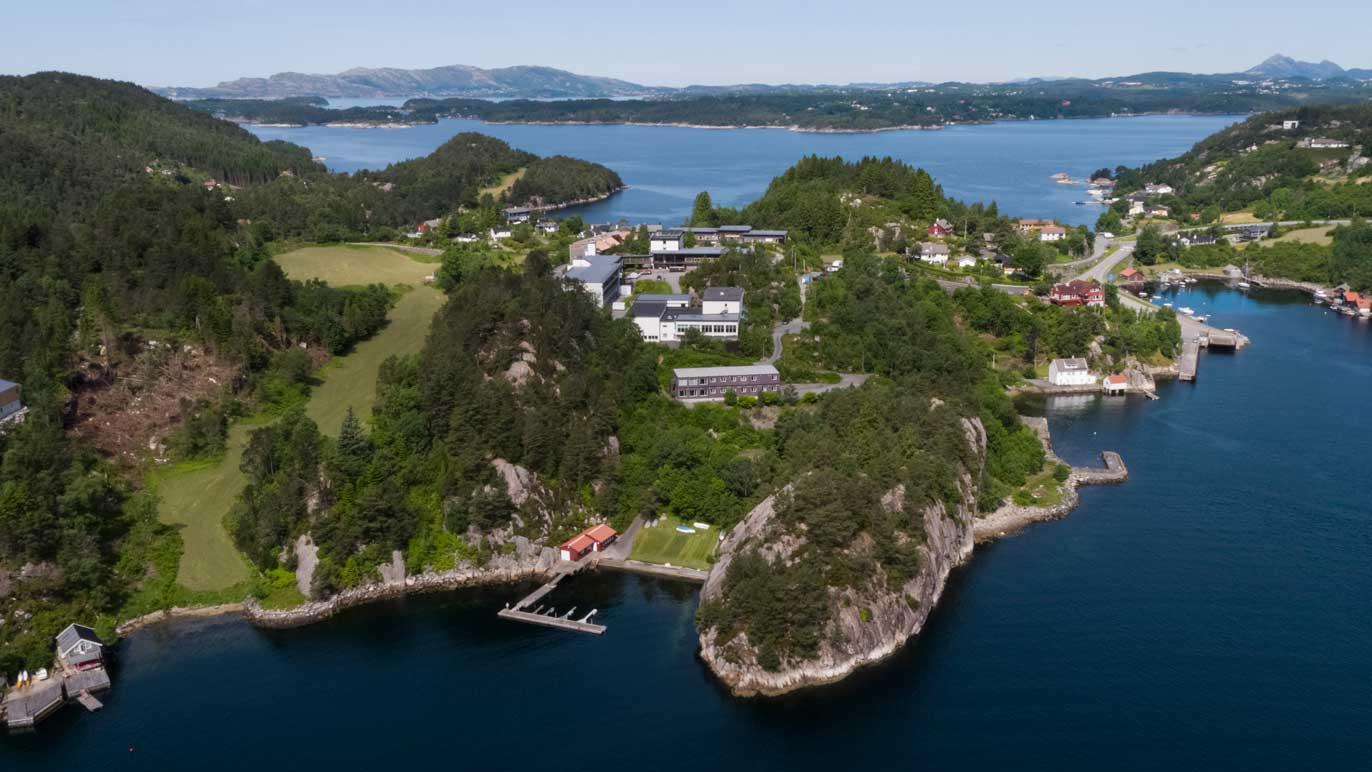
x=865, y=624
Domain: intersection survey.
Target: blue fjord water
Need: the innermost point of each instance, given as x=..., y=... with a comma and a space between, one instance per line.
x=665, y=167
x=1210, y=613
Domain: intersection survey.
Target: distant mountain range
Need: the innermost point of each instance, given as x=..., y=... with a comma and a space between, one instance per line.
x=548, y=83
x=1280, y=66
x=457, y=80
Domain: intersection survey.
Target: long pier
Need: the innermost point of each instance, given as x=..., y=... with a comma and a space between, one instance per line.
x=1190, y=358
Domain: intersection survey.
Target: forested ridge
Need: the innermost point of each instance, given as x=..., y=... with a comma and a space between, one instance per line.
x=1260, y=165
x=853, y=108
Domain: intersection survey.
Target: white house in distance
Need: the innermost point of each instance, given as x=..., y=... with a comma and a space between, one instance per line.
x=933, y=253
x=1052, y=233
x=598, y=275
x=1290, y=125
x=1070, y=372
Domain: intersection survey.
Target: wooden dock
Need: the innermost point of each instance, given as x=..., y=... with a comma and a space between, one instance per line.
x=24, y=708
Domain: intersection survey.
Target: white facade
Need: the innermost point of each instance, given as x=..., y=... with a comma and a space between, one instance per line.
x=1290, y=125
x=1052, y=234
x=665, y=241
x=1070, y=372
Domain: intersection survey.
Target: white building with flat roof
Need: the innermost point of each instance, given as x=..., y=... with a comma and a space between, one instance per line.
x=598, y=275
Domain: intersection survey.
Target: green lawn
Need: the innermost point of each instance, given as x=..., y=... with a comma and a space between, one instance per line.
x=197, y=497
x=345, y=264
x=350, y=381
x=1317, y=235
x=663, y=544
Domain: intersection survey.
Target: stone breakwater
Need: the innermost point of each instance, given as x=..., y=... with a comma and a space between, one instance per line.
x=501, y=571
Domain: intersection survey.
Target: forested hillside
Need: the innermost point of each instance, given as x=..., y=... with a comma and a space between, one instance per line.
x=1261, y=165
x=559, y=179
x=136, y=237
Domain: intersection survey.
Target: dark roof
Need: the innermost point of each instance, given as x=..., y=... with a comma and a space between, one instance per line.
x=647, y=308
x=723, y=293
x=73, y=635
x=695, y=252
x=666, y=234
x=763, y=234
x=735, y=228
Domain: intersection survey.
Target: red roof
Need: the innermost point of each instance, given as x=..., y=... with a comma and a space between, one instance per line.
x=1116, y=379
x=1352, y=297
x=1129, y=272
x=600, y=533
x=579, y=543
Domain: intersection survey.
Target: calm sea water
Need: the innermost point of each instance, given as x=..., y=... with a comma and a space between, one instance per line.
x=1210, y=613
x=1009, y=163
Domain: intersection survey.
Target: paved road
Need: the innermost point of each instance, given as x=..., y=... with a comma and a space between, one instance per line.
x=793, y=327
x=1101, y=270
x=1282, y=223
x=1010, y=289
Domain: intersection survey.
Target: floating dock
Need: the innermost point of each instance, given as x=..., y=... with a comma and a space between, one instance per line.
x=559, y=622
x=519, y=612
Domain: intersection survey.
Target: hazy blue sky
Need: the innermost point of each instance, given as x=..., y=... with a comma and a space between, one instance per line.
x=179, y=42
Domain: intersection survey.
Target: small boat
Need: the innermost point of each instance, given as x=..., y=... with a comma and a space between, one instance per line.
x=685, y=529
x=1143, y=294
x=1244, y=285
x=1202, y=318
x=701, y=526
x=1166, y=305
x=41, y=674
x=1188, y=311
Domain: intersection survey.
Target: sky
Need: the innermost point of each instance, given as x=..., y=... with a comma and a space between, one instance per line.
x=180, y=43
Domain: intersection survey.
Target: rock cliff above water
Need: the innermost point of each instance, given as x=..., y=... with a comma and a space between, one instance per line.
x=869, y=619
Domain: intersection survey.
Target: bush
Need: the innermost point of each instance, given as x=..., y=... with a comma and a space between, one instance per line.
x=1061, y=472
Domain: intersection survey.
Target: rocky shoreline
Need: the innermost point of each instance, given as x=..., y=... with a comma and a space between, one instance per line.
x=1011, y=517
x=531, y=562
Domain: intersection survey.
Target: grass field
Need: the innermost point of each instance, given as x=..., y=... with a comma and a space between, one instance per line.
x=197, y=497
x=1238, y=218
x=506, y=182
x=1317, y=235
x=663, y=544
x=344, y=264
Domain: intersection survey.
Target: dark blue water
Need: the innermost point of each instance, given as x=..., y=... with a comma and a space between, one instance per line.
x=1210, y=613
x=665, y=167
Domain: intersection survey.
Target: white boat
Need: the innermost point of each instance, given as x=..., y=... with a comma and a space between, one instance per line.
x=1187, y=311
x=1244, y=285
x=1143, y=294
x=1166, y=305
x=42, y=674
x=1202, y=318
